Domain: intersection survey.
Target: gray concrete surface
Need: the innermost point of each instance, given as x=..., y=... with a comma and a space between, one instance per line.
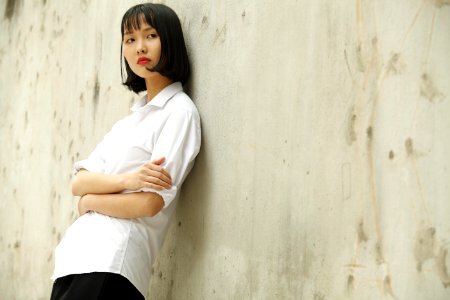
x=324, y=172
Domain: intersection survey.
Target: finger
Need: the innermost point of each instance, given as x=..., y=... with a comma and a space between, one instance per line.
x=154, y=186
x=157, y=174
x=158, y=181
x=154, y=168
x=158, y=161
x=166, y=174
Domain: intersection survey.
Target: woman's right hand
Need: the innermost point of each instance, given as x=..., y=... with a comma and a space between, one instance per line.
x=149, y=175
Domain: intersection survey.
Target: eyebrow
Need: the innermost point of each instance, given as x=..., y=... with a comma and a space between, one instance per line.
x=143, y=29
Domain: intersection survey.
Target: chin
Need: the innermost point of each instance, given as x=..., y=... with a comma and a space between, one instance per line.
x=150, y=75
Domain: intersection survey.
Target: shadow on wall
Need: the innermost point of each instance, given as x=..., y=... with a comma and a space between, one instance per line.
x=185, y=246
x=193, y=208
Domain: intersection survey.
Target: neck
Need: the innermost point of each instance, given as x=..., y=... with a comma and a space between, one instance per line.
x=156, y=84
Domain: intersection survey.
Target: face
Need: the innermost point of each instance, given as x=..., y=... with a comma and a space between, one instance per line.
x=142, y=49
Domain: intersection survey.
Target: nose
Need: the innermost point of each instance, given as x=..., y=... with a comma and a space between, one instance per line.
x=141, y=48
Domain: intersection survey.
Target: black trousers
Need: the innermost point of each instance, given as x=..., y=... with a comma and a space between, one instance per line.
x=94, y=286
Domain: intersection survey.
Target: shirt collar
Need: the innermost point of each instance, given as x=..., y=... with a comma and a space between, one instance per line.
x=160, y=99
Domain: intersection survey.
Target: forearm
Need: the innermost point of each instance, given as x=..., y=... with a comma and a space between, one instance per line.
x=126, y=206
x=86, y=182
x=149, y=175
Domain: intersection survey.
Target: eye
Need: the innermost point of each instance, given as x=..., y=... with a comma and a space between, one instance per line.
x=152, y=36
x=128, y=41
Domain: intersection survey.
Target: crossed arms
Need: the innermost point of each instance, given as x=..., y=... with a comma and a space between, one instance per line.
x=100, y=192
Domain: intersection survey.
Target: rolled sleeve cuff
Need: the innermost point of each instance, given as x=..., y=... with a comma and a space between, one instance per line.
x=167, y=195
x=87, y=164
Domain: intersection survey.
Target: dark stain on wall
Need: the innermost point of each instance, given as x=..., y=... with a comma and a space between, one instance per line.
x=442, y=267
x=84, y=5
x=362, y=236
x=70, y=146
x=409, y=147
x=387, y=286
x=350, y=283
x=440, y=3
x=359, y=59
x=220, y=35
x=81, y=100
x=369, y=132
x=427, y=247
x=425, y=244
x=10, y=9
x=379, y=257
x=17, y=245
x=57, y=33
x=428, y=89
x=95, y=98
x=394, y=65
x=205, y=23
x=351, y=133
x=391, y=154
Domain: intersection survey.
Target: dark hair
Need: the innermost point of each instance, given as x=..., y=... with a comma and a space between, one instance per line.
x=174, y=62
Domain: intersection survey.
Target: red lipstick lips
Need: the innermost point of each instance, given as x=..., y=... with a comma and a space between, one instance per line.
x=143, y=60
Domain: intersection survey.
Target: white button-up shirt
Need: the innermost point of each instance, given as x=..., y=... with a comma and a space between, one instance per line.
x=167, y=126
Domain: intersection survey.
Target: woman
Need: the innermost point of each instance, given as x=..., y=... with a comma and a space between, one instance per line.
x=129, y=184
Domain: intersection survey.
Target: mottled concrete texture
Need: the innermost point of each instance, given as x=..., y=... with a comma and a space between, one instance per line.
x=324, y=172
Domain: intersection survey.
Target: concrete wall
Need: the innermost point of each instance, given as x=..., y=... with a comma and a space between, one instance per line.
x=324, y=172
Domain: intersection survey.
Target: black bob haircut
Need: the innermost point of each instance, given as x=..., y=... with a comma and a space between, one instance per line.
x=174, y=62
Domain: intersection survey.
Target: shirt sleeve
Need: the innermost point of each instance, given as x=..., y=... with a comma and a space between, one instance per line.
x=179, y=142
x=94, y=162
